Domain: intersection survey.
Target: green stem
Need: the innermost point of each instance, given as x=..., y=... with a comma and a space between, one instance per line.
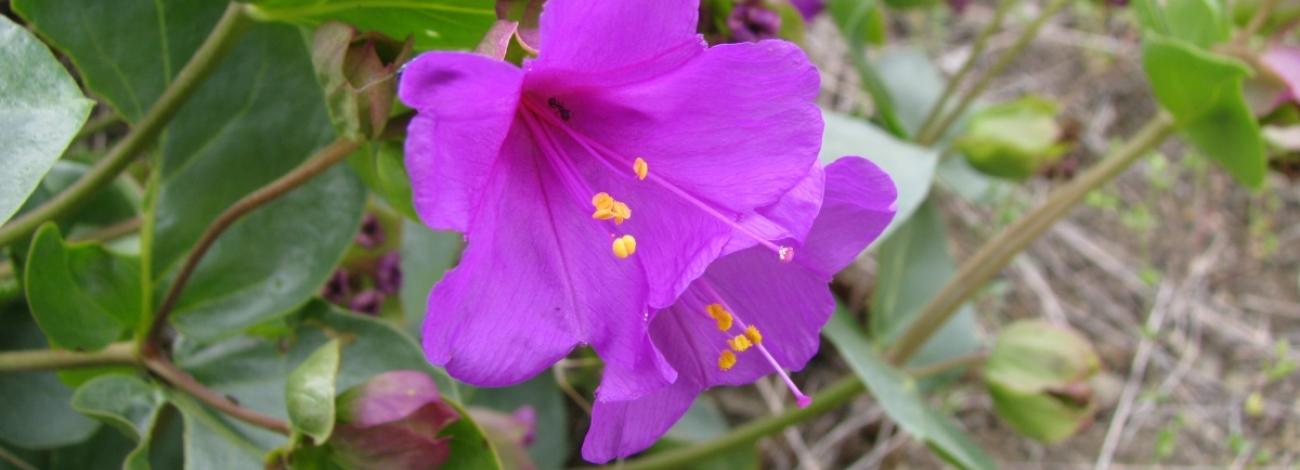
x=314, y=165
x=142, y=134
x=981, y=42
x=123, y=353
x=177, y=378
x=20, y=464
x=996, y=253
x=830, y=398
x=986, y=78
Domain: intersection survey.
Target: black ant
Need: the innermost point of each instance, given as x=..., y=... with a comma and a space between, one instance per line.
x=559, y=108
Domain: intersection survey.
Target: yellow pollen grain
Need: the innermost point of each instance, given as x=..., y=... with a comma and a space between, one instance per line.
x=620, y=212
x=624, y=246
x=754, y=336
x=740, y=343
x=641, y=168
x=720, y=314
x=726, y=360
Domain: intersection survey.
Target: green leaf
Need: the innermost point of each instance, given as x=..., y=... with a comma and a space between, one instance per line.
x=426, y=255
x=911, y=167
x=106, y=450
x=1200, y=22
x=435, y=24
x=897, y=395
x=254, y=371
x=126, y=51
x=704, y=421
x=470, y=448
x=1203, y=91
x=1013, y=139
x=218, y=150
x=212, y=441
x=83, y=296
x=41, y=110
x=126, y=403
x=37, y=414
x=380, y=166
x=855, y=20
x=115, y=203
x=913, y=265
x=550, y=449
x=913, y=82
x=309, y=393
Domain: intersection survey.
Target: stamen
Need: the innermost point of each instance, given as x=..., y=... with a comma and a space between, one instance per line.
x=624, y=246
x=720, y=314
x=800, y=398
x=726, y=360
x=641, y=168
x=740, y=343
x=601, y=152
x=751, y=332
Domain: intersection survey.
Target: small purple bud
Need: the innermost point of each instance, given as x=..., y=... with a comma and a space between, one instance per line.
x=959, y=6
x=751, y=21
x=527, y=416
x=809, y=8
x=388, y=274
x=393, y=421
x=367, y=301
x=372, y=232
x=337, y=289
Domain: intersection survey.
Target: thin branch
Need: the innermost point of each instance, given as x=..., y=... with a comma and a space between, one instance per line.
x=12, y=459
x=178, y=378
x=315, y=165
x=950, y=364
x=122, y=353
x=142, y=135
x=1256, y=22
x=996, y=253
x=985, y=79
x=977, y=50
x=110, y=232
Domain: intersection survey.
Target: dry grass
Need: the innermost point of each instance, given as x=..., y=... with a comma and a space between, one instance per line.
x=1183, y=281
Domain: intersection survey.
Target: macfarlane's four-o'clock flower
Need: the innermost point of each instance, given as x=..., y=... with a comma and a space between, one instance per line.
x=749, y=316
x=597, y=181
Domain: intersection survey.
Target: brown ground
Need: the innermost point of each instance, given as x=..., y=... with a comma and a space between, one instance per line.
x=1172, y=247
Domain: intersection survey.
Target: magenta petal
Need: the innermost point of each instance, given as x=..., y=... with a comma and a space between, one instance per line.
x=1285, y=62
x=622, y=428
x=648, y=371
x=788, y=219
x=860, y=203
x=736, y=126
x=580, y=35
x=466, y=104
x=536, y=279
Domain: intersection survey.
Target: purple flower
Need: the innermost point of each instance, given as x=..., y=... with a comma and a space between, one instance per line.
x=337, y=288
x=1285, y=64
x=753, y=21
x=367, y=301
x=372, y=232
x=809, y=8
x=595, y=182
x=388, y=273
x=749, y=316
x=392, y=422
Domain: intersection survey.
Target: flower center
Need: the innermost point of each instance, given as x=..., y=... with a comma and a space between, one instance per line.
x=606, y=206
x=747, y=337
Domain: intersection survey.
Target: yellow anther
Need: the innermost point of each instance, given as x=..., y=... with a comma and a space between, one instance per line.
x=624, y=246
x=641, y=168
x=726, y=360
x=609, y=208
x=740, y=343
x=620, y=212
x=602, y=200
x=720, y=314
x=754, y=336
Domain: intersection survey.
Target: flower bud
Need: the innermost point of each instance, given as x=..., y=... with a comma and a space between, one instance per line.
x=1037, y=375
x=358, y=74
x=392, y=422
x=388, y=273
x=1013, y=140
